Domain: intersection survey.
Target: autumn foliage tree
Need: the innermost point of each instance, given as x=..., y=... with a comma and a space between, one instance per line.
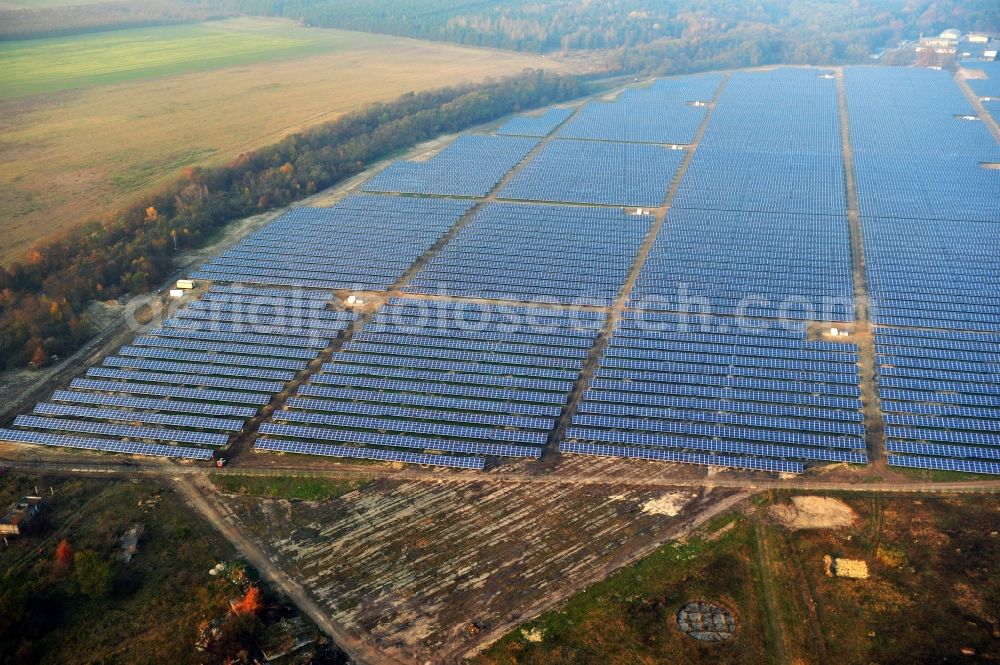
x=64, y=553
x=39, y=357
x=251, y=603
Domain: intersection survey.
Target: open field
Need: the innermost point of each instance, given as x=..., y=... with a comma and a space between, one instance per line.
x=931, y=593
x=75, y=154
x=426, y=571
x=63, y=63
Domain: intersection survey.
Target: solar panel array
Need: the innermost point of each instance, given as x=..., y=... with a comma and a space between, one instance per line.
x=193, y=381
x=720, y=391
x=662, y=112
x=363, y=243
x=452, y=383
x=940, y=392
x=989, y=86
x=772, y=145
x=471, y=165
x=934, y=273
x=993, y=108
x=596, y=172
x=561, y=254
x=536, y=124
x=790, y=266
x=914, y=155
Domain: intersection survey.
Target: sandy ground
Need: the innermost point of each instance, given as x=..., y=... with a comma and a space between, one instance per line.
x=814, y=512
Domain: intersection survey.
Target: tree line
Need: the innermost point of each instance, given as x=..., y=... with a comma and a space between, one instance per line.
x=77, y=19
x=819, y=31
x=43, y=298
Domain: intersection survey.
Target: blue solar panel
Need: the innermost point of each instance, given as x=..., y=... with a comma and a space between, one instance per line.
x=721, y=446
x=753, y=463
x=429, y=334
x=738, y=418
x=538, y=124
x=634, y=430
x=198, y=422
x=242, y=290
x=413, y=427
x=646, y=370
x=472, y=356
x=378, y=237
x=290, y=303
x=170, y=391
x=945, y=464
x=596, y=172
x=389, y=411
x=641, y=400
x=471, y=166
x=664, y=112
x=473, y=345
x=723, y=392
x=453, y=403
x=106, y=445
x=939, y=450
x=224, y=347
x=133, y=432
x=432, y=388
x=416, y=362
x=914, y=158
x=536, y=253
x=243, y=338
x=772, y=145
x=693, y=265
x=199, y=368
x=175, y=405
x=310, y=336
x=304, y=448
x=405, y=441
x=187, y=380
x=219, y=358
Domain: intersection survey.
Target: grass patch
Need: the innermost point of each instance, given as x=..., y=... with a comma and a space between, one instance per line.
x=940, y=475
x=63, y=63
x=286, y=487
x=631, y=616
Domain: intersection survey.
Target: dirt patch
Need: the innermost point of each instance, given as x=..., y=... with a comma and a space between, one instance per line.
x=670, y=504
x=813, y=512
x=411, y=565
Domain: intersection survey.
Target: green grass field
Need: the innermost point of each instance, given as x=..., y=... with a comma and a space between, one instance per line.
x=307, y=489
x=63, y=63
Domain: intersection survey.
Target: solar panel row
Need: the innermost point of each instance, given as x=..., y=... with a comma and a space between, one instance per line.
x=709, y=408
x=596, y=172
x=282, y=254
x=186, y=382
x=667, y=111
x=536, y=124
x=545, y=253
x=772, y=145
x=915, y=155
x=439, y=393
x=471, y=165
x=944, y=418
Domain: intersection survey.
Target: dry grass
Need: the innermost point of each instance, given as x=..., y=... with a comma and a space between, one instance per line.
x=73, y=155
